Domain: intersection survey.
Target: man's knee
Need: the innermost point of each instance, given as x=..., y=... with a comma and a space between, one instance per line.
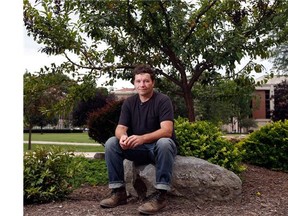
x=165, y=144
x=111, y=142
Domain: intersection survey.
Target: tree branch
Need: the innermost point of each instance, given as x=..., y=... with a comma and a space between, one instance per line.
x=107, y=68
x=267, y=14
x=167, y=21
x=155, y=21
x=159, y=71
x=198, y=71
x=198, y=17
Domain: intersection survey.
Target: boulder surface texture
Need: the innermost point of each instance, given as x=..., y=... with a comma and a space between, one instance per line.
x=198, y=178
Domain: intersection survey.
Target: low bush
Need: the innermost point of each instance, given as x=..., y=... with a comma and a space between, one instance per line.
x=93, y=172
x=204, y=140
x=47, y=174
x=102, y=122
x=268, y=146
x=51, y=174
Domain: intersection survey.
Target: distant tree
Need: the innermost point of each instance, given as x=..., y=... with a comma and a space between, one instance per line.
x=42, y=120
x=280, y=58
x=82, y=109
x=280, y=111
x=83, y=89
x=219, y=100
x=41, y=92
x=243, y=95
x=213, y=98
x=247, y=123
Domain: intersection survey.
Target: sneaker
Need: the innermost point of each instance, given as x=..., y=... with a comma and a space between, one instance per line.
x=156, y=203
x=117, y=197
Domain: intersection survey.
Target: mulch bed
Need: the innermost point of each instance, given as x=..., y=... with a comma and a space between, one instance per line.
x=264, y=192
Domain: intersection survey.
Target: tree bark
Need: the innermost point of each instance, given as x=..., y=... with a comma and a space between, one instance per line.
x=189, y=102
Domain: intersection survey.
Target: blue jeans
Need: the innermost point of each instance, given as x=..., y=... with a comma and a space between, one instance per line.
x=161, y=153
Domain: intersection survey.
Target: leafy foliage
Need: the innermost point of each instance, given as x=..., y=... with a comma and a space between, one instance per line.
x=51, y=174
x=175, y=94
x=82, y=109
x=182, y=39
x=248, y=123
x=102, y=122
x=47, y=174
x=268, y=146
x=218, y=100
x=93, y=172
x=280, y=60
x=204, y=140
x=41, y=92
x=280, y=111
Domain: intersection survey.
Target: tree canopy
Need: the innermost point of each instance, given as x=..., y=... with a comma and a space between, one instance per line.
x=181, y=39
x=280, y=58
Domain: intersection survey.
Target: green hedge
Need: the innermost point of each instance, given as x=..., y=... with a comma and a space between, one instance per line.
x=204, y=140
x=268, y=146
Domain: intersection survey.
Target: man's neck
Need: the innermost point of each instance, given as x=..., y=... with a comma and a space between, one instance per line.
x=144, y=98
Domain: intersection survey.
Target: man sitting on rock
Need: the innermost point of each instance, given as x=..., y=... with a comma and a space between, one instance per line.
x=144, y=134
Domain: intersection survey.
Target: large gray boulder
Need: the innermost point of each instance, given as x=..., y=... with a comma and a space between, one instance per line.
x=193, y=177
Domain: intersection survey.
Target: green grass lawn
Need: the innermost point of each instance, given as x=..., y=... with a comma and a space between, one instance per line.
x=60, y=137
x=65, y=137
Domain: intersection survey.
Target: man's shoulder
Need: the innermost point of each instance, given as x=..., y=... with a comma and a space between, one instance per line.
x=132, y=98
x=161, y=95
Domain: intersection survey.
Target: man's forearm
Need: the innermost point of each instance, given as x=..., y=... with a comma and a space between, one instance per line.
x=152, y=137
x=120, y=130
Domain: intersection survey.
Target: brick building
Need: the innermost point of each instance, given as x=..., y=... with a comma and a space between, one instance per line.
x=263, y=104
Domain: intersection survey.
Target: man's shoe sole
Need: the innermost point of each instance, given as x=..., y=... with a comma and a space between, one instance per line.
x=113, y=206
x=150, y=213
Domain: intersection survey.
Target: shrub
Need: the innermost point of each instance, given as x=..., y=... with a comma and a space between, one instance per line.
x=204, y=140
x=102, y=122
x=268, y=146
x=82, y=109
x=47, y=174
x=51, y=174
x=93, y=172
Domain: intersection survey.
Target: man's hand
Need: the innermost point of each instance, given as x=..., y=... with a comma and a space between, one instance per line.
x=122, y=140
x=131, y=141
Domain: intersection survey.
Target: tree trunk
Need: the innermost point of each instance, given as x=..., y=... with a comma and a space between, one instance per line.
x=189, y=104
x=29, y=139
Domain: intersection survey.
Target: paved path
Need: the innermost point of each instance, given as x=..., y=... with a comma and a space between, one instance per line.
x=85, y=154
x=64, y=143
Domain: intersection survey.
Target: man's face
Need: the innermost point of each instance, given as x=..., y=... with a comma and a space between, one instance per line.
x=143, y=84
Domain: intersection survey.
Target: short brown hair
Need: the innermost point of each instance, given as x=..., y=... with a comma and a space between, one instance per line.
x=143, y=68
